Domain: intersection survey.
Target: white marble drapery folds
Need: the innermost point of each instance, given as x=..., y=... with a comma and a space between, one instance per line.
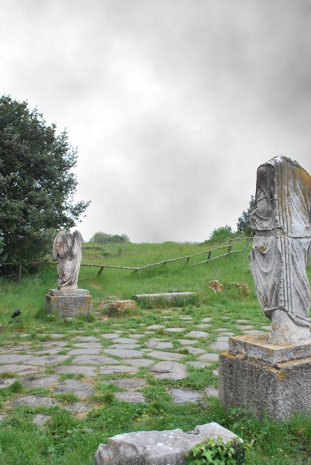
x=282, y=244
x=67, y=248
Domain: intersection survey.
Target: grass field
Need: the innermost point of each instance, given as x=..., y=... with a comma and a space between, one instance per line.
x=67, y=439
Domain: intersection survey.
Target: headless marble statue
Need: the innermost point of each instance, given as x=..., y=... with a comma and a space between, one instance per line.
x=67, y=248
x=282, y=247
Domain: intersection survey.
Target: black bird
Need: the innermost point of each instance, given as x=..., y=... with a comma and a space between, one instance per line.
x=16, y=313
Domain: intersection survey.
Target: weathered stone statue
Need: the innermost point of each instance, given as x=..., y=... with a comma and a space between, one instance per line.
x=67, y=248
x=282, y=246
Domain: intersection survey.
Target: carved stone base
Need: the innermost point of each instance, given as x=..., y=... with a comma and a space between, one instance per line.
x=69, y=302
x=266, y=378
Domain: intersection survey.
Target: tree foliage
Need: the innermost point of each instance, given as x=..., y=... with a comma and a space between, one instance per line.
x=36, y=182
x=101, y=238
x=243, y=221
x=221, y=234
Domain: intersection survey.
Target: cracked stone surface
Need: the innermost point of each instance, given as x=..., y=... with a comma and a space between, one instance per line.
x=124, y=353
x=197, y=334
x=209, y=357
x=40, y=419
x=74, y=386
x=88, y=372
x=165, y=355
x=77, y=408
x=34, y=401
x=128, y=383
x=169, y=370
x=181, y=396
x=220, y=346
x=131, y=397
x=117, y=369
x=40, y=381
x=6, y=382
x=94, y=360
x=210, y=391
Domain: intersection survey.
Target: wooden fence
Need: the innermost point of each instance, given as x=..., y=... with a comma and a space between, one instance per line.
x=101, y=267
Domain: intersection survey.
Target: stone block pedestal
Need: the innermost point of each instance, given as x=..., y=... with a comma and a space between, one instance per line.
x=266, y=378
x=68, y=303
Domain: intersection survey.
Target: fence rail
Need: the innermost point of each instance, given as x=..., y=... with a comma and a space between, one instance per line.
x=144, y=267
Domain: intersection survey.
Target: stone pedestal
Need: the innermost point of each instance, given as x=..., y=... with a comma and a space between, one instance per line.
x=266, y=378
x=68, y=303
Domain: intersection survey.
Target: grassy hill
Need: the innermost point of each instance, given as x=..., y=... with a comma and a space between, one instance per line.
x=68, y=440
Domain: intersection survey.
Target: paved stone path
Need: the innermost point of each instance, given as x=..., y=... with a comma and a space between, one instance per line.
x=87, y=357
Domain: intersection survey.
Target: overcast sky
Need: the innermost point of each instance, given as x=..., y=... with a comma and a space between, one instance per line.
x=173, y=104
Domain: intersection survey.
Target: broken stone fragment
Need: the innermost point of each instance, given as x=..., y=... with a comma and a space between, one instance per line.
x=216, y=286
x=120, y=305
x=157, y=447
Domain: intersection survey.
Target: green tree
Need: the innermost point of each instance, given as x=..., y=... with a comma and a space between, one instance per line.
x=243, y=221
x=104, y=238
x=36, y=183
x=221, y=234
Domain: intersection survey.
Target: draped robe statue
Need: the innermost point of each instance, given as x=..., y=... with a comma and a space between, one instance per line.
x=67, y=248
x=281, y=248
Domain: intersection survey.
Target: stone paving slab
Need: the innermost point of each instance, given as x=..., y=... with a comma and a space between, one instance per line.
x=182, y=396
x=175, y=330
x=197, y=334
x=185, y=342
x=155, y=327
x=34, y=401
x=86, y=339
x=6, y=382
x=194, y=350
x=210, y=391
x=140, y=362
x=45, y=351
x=77, y=408
x=12, y=349
x=124, y=346
x=244, y=326
x=124, y=340
x=165, y=355
x=110, y=335
x=54, y=344
x=159, y=345
x=75, y=386
x=203, y=325
x=206, y=320
x=83, y=352
x=47, y=360
x=169, y=370
x=128, y=383
x=19, y=369
x=88, y=345
x=14, y=358
x=209, y=357
x=131, y=397
x=40, y=381
x=117, y=369
x=40, y=419
x=88, y=372
x=220, y=346
x=93, y=360
x=124, y=353
x=197, y=364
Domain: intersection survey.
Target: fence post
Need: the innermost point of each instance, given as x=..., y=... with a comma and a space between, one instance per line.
x=19, y=273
